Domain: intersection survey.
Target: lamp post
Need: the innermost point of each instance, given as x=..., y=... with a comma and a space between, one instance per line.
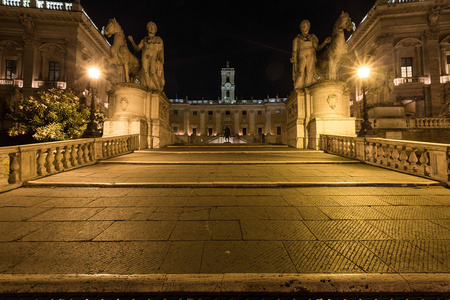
x=366, y=127
x=91, y=130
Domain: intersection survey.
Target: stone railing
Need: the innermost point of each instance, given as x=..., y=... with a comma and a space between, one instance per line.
x=23, y=163
x=431, y=123
x=429, y=160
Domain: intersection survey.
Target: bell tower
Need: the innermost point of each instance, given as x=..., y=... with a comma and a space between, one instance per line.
x=227, y=86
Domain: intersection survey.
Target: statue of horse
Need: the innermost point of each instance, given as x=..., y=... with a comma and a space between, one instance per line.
x=121, y=56
x=338, y=47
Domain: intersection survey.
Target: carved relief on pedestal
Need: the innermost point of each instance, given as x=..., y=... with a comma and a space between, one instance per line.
x=124, y=103
x=332, y=100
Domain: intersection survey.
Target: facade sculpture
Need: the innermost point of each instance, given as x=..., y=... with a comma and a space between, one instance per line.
x=152, y=70
x=304, y=50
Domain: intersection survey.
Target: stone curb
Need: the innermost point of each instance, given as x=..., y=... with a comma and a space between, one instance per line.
x=228, y=152
x=229, y=162
x=226, y=283
x=227, y=184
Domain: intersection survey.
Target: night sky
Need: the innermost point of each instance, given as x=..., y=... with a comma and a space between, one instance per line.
x=200, y=36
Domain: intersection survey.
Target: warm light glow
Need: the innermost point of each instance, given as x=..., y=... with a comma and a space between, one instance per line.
x=94, y=73
x=363, y=72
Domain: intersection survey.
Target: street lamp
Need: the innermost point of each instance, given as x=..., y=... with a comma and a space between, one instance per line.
x=91, y=130
x=366, y=127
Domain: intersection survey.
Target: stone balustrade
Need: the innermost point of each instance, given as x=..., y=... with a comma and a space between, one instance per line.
x=431, y=122
x=41, y=4
x=22, y=163
x=429, y=160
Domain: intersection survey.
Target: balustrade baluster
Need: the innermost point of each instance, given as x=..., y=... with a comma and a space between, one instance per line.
x=92, y=151
x=369, y=152
x=80, y=155
x=413, y=167
x=110, y=148
x=73, y=154
x=14, y=176
x=58, y=160
x=395, y=160
x=67, y=164
x=49, y=161
x=86, y=151
x=41, y=163
x=381, y=155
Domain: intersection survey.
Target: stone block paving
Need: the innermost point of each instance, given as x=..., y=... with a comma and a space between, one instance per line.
x=132, y=230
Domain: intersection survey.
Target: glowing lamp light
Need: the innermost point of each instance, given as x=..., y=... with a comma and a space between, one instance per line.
x=363, y=72
x=94, y=73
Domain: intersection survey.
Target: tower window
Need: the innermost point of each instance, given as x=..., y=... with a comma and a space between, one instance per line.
x=228, y=78
x=11, y=69
x=228, y=94
x=53, y=71
x=407, y=68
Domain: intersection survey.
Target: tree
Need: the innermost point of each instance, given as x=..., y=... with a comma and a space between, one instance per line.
x=53, y=115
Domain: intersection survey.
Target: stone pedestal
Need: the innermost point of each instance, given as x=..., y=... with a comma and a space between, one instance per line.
x=323, y=108
x=133, y=109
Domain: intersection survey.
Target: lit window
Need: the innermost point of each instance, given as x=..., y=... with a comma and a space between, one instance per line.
x=278, y=111
x=406, y=68
x=53, y=71
x=11, y=69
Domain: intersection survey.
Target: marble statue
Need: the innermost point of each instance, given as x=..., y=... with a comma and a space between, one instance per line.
x=304, y=50
x=152, y=70
x=338, y=47
x=121, y=56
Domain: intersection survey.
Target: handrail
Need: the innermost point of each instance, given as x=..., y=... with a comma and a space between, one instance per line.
x=19, y=164
x=430, y=160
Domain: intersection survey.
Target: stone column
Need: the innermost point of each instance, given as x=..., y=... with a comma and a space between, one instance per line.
x=398, y=64
x=268, y=122
x=202, y=122
x=444, y=70
x=252, y=129
x=28, y=68
x=432, y=54
x=236, y=122
x=186, y=121
x=218, y=122
x=19, y=66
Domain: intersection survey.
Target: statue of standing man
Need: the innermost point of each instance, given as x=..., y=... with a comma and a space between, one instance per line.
x=304, y=50
x=152, y=69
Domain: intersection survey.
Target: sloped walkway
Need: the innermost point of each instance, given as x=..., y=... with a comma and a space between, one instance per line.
x=226, y=219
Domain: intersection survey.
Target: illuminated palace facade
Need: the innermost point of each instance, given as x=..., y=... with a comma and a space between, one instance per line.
x=47, y=44
x=205, y=121
x=406, y=44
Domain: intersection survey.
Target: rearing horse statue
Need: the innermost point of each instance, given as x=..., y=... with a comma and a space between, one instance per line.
x=338, y=47
x=119, y=50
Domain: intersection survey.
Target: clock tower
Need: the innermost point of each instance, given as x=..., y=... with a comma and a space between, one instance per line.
x=227, y=86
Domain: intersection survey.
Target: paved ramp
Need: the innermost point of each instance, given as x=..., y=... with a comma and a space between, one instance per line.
x=236, y=219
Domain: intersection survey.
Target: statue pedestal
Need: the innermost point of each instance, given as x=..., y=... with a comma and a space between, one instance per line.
x=133, y=109
x=323, y=108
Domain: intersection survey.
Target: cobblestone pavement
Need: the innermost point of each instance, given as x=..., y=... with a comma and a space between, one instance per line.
x=194, y=230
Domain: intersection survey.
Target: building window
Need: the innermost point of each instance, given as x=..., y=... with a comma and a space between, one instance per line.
x=11, y=69
x=53, y=71
x=194, y=131
x=448, y=64
x=194, y=113
x=244, y=112
x=244, y=131
x=210, y=112
x=227, y=112
x=278, y=130
x=259, y=112
x=228, y=94
x=406, y=68
x=175, y=112
x=210, y=131
x=175, y=129
x=278, y=111
x=260, y=130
